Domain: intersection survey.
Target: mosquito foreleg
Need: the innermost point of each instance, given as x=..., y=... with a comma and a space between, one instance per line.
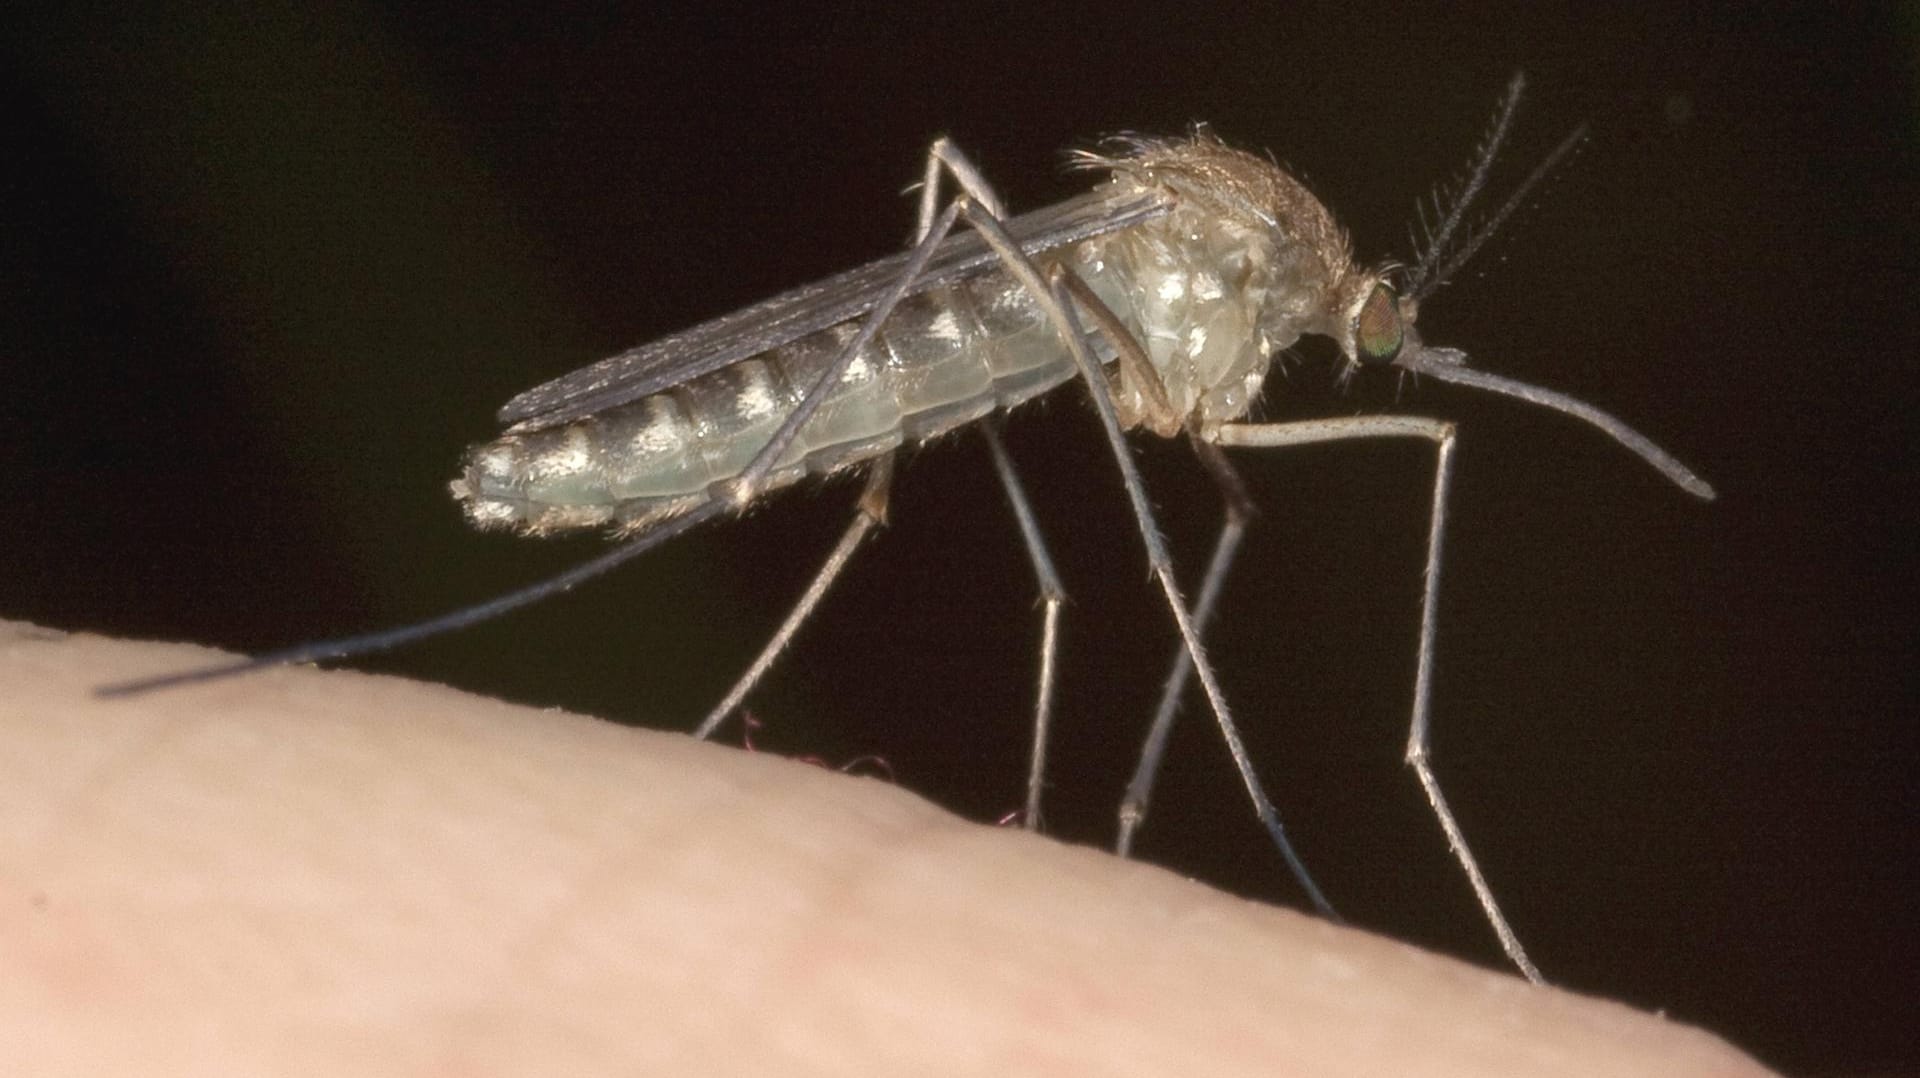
x=1441, y=434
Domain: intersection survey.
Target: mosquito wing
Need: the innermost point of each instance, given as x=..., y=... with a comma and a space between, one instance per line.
x=770, y=323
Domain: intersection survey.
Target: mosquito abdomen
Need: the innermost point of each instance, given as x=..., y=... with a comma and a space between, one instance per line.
x=946, y=357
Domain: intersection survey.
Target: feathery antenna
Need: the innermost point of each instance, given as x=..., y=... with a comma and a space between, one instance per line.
x=1438, y=262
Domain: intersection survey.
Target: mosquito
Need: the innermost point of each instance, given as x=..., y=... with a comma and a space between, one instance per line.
x=1167, y=290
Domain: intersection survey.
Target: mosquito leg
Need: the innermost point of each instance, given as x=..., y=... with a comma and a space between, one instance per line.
x=944, y=156
x=741, y=490
x=1240, y=512
x=1057, y=300
x=1052, y=597
x=1135, y=365
x=1161, y=564
x=388, y=639
x=1418, y=757
x=870, y=512
x=930, y=228
x=928, y=231
x=1132, y=358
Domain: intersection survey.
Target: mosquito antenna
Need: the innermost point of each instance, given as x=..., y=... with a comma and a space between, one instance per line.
x=1448, y=365
x=1416, y=285
x=1423, y=285
x=387, y=639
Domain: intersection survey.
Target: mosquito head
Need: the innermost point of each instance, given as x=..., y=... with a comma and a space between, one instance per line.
x=1380, y=328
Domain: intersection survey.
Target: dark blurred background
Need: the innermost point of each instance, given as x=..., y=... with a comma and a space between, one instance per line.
x=263, y=275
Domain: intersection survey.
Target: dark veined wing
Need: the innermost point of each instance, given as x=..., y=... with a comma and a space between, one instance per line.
x=770, y=323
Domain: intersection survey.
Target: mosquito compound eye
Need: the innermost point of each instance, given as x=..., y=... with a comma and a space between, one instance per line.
x=1377, y=330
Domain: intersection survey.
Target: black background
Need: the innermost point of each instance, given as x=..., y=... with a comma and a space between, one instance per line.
x=265, y=275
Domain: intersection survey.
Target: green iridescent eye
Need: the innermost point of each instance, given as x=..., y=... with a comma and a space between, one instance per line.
x=1377, y=330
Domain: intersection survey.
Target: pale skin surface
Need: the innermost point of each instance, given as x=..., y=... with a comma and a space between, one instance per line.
x=306, y=872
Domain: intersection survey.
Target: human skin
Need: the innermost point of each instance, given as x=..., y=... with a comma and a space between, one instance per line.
x=329, y=872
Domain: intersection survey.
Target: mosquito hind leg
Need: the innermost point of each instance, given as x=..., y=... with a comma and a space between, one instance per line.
x=1240, y=511
x=944, y=158
x=1441, y=434
x=869, y=513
